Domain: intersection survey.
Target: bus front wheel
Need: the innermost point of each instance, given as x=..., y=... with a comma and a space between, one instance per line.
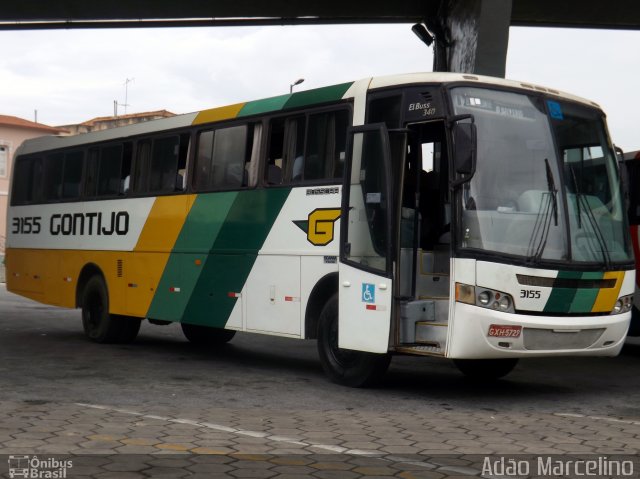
x=98, y=324
x=345, y=366
x=206, y=336
x=485, y=369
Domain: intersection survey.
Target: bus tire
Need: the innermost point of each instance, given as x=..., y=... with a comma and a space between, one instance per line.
x=205, y=335
x=129, y=327
x=485, y=369
x=99, y=326
x=345, y=366
x=634, y=327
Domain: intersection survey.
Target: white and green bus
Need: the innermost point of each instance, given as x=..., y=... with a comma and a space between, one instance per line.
x=434, y=214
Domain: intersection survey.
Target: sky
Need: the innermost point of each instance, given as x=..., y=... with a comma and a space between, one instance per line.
x=70, y=76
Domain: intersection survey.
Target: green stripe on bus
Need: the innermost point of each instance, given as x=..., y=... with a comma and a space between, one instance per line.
x=200, y=230
x=233, y=255
x=295, y=100
x=264, y=106
x=573, y=300
x=561, y=299
x=318, y=95
x=585, y=298
x=250, y=220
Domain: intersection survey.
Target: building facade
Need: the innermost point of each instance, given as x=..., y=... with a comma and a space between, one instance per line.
x=105, y=122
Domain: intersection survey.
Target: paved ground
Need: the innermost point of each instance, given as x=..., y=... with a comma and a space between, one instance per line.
x=260, y=407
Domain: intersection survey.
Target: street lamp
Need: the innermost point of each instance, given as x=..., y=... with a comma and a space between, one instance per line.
x=297, y=82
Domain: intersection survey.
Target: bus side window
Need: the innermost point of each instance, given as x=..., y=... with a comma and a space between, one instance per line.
x=202, y=168
x=183, y=155
x=53, y=169
x=385, y=109
x=164, y=164
x=326, y=146
x=223, y=157
x=295, y=137
x=109, y=170
x=229, y=157
x=125, y=171
x=285, y=157
x=141, y=168
x=72, y=177
x=275, y=155
x=253, y=154
x=27, y=181
x=91, y=173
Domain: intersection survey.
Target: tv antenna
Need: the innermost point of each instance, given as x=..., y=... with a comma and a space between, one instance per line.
x=126, y=98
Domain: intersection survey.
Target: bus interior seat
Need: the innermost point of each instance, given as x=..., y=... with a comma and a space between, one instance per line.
x=274, y=175
x=298, y=166
x=179, y=182
x=71, y=190
x=233, y=175
x=530, y=201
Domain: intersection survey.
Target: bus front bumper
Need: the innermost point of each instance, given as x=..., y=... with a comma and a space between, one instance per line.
x=481, y=333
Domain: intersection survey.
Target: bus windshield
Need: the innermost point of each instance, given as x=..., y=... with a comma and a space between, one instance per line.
x=546, y=186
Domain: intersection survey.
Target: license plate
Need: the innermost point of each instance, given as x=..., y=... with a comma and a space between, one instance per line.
x=504, y=331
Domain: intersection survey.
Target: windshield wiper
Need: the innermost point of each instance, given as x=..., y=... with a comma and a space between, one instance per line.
x=542, y=226
x=593, y=222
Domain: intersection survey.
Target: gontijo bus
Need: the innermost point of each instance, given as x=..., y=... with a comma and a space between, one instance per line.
x=447, y=215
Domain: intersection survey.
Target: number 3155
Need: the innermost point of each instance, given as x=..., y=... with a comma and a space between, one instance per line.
x=530, y=293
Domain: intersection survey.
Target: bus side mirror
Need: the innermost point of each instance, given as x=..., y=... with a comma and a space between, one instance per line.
x=464, y=144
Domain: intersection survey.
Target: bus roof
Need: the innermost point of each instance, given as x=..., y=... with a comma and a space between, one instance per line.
x=303, y=98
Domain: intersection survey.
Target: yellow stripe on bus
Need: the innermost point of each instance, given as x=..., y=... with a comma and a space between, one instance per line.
x=51, y=276
x=218, y=114
x=144, y=267
x=164, y=223
x=607, y=297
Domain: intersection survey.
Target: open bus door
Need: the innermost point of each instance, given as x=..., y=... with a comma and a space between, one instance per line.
x=365, y=268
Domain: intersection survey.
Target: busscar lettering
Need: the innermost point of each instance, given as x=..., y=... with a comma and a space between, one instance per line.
x=323, y=191
x=80, y=224
x=426, y=108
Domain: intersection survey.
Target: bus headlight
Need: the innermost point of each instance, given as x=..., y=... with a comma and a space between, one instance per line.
x=623, y=305
x=504, y=303
x=485, y=298
x=496, y=300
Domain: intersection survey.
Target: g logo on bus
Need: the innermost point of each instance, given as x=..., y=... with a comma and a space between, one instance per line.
x=320, y=225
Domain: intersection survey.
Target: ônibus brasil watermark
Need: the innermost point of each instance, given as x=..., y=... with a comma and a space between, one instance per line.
x=32, y=467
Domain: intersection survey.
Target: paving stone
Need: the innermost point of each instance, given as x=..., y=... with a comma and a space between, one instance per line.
x=374, y=471
x=335, y=474
x=331, y=466
x=252, y=472
x=210, y=468
x=292, y=470
x=117, y=475
x=420, y=474
x=166, y=472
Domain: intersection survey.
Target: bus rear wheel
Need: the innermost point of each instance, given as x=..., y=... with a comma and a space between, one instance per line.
x=99, y=325
x=485, y=369
x=206, y=336
x=345, y=366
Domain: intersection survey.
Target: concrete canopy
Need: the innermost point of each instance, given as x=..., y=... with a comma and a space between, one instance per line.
x=468, y=35
x=613, y=14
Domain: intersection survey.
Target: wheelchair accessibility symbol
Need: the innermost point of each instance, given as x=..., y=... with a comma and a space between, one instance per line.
x=368, y=293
